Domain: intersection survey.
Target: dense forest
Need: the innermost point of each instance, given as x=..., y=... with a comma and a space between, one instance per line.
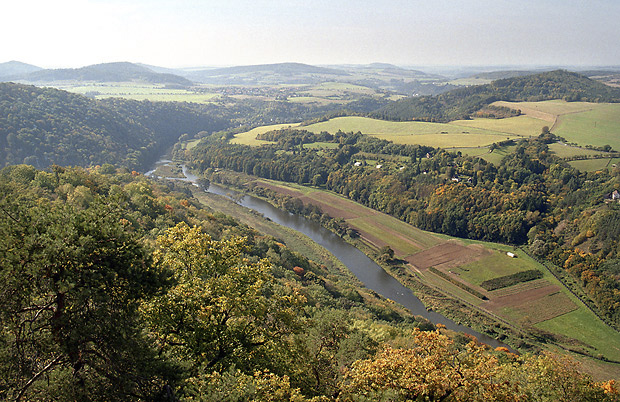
x=117, y=288
x=45, y=126
x=463, y=102
x=521, y=201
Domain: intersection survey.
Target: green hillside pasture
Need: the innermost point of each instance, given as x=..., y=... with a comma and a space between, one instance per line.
x=495, y=265
x=549, y=110
x=566, y=151
x=583, y=325
x=413, y=132
x=592, y=165
x=141, y=92
x=519, y=125
x=599, y=126
x=249, y=137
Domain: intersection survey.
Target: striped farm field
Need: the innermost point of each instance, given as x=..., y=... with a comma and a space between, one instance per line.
x=520, y=287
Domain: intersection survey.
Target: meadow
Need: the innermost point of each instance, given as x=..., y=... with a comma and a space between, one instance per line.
x=519, y=125
x=141, y=92
x=249, y=137
x=598, y=127
x=413, y=132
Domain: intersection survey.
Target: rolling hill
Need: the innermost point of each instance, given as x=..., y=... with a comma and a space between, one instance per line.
x=461, y=103
x=14, y=68
x=45, y=126
x=285, y=73
x=106, y=72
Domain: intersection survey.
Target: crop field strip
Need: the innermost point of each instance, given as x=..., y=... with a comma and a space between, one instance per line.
x=520, y=287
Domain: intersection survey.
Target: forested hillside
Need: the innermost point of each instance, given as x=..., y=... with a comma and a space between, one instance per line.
x=114, y=288
x=44, y=126
x=463, y=102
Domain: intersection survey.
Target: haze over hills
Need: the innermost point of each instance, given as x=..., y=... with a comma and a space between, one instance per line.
x=106, y=72
x=16, y=68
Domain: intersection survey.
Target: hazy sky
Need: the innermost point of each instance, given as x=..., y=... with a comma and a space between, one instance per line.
x=183, y=33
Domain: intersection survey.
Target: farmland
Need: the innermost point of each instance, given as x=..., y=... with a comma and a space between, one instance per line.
x=543, y=303
x=432, y=134
x=583, y=123
x=140, y=92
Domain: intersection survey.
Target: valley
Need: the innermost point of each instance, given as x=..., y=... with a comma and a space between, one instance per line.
x=497, y=214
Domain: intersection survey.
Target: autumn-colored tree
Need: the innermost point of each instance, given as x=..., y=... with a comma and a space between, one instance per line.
x=432, y=370
x=223, y=309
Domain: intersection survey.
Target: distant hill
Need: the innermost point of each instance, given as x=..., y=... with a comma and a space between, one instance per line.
x=498, y=75
x=15, y=68
x=44, y=126
x=266, y=73
x=461, y=103
x=107, y=72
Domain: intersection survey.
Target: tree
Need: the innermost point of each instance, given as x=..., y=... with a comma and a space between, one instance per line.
x=223, y=309
x=432, y=370
x=68, y=276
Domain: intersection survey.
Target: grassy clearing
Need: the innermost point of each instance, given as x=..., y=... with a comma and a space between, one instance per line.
x=583, y=325
x=599, y=126
x=519, y=125
x=249, y=137
x=551, y=107
x=493, y=266
x=592, y=165
x=566, y=151
x=141, y=92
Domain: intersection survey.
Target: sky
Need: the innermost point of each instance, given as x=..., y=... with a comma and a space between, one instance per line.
x=192, y=33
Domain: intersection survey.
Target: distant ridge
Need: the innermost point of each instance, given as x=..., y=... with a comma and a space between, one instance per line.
x=106, y=72
x=278, y=68
x=279, y=72
x=15, y=68
x=463, y=102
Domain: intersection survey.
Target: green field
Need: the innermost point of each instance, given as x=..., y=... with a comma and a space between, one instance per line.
x=413, y=132
x=591, y=165
x=580, y=325
x=566, y=151
x=494, y=266
x=551, y=107
x=141, y=92
x=249, y=137
x=599, y=126
x=519, y=125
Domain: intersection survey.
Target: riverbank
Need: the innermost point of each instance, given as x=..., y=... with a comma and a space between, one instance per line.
x=554, y=310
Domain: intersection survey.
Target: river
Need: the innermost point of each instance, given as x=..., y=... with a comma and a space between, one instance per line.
x=366, y=270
